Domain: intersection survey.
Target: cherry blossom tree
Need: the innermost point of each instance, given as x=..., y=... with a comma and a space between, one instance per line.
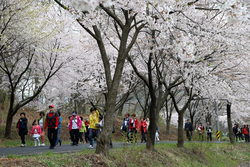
x=29, y=53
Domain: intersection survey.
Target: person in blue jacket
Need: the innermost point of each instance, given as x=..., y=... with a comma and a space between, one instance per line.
x=58, y=140
x=188, y=129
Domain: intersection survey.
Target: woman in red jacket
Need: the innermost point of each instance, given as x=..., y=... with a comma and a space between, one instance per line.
x=133, y=126
x=245, y=132
x=143, y=129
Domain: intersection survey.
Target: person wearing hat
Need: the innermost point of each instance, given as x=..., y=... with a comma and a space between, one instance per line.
x=188, y=129
x=209, y=132
x=133, y=126
x=125, y=125
x=93, y=122
x=52, y=121
x=86, y=123
x=75, y=125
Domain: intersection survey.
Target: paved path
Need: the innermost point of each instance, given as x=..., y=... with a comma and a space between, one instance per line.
x=59, y=149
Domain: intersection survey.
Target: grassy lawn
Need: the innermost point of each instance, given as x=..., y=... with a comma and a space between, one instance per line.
x=193, y=154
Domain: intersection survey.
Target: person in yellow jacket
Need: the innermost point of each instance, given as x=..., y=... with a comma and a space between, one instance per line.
x=93, y=125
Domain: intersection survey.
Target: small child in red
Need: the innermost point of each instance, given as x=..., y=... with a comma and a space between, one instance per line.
x=36, y=132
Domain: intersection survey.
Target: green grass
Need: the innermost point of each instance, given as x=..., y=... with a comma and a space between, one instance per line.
x=193, y=154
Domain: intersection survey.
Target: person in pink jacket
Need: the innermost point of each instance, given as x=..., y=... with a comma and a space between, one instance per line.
x=143, y=129
x=75, y=125
x=36, y=132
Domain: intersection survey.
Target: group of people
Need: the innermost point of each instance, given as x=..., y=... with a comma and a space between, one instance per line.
x=200, y=129
x=52, y=122
x=241, y=133
x=91, y=128
x=130, y=126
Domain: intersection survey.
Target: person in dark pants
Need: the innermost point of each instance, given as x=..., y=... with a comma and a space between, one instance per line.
x=245, y=133
x=52, y=121
x=133, y=126
x=75, y=125
x=209, y=132
x=235, y=132
x=188, y=129
x=22, y=128
x=125, y=125
x=143, y=128
x=239, y=133
x=93, y=129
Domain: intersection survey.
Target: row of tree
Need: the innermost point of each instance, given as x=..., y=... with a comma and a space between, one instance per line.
x=175, y=53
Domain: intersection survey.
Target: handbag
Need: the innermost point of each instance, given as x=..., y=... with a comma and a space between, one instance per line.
x=22, y=126
x=98, y=125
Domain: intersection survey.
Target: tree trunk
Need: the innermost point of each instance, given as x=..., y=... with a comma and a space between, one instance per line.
x=120, y=111
x=8, y=125
x=180, y=130
x=152, y=126
x=104, y=139
x=168, y=126
x=229, y=123
x=192, y=121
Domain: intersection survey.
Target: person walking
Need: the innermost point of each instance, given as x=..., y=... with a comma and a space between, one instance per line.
x=93, y=123
x=75, y=124
x=188, y=129
x=235, y=130
x=143, y=128
x=52, y=121
x=200, y=129
x=245, y=133
x=239, y=133
x=125, y=126
x=133, y=126
x=86, y=123
x=36, y=131
x=58, y=140
x=83, y=129
x=22, y=128
x=209, y=132
x=41, y=122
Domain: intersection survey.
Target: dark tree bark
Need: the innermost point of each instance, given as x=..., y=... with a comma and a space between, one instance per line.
x=180, y=130
x=144, y=100
x=229, y=123
x=180, y=115
x=168, y=116
x=120, y=110
x=124, y=33
x=13, y=108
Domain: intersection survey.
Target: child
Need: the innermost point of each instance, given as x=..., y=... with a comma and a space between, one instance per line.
x=36, y=131
x=22, y=128
x=83, y=129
